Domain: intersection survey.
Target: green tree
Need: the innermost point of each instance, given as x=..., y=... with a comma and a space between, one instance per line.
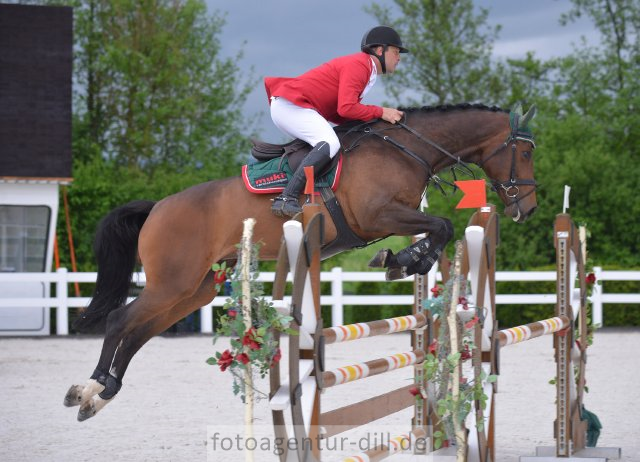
x=450, y=59
x=619, y=24
x=589, y=130
x=153, y=89
x=156, y=107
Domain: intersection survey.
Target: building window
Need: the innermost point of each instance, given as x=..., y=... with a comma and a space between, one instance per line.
x=23, y=238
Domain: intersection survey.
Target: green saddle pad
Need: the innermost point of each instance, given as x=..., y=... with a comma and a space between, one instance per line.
x=271, y=177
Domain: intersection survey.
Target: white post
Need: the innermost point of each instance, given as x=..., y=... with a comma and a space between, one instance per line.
x=337, y=309
x=246, y=314
x=596, y=297
x=62, y=295
x=206, y=319
x=565, y=204
x=432, y=277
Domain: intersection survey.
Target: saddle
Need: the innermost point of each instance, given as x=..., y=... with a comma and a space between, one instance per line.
x=293, y=151
x=297, y=149
x=291, y=155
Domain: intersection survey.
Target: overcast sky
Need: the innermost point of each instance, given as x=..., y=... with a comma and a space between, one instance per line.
x=288, y=37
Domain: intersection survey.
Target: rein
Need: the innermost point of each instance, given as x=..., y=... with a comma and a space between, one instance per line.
x=460, y=165
x=509, y=186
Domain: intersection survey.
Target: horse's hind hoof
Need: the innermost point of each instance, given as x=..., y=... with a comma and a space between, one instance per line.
x=86, y=411
x=396, y=273
x=381, y=259
x=73, y=396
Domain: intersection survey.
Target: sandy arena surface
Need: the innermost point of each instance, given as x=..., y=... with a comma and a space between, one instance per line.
x=172, y=402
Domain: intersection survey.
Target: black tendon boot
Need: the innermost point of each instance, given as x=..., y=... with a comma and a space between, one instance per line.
x=287, y=203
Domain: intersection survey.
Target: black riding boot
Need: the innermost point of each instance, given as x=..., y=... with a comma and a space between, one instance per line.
x=287, y=203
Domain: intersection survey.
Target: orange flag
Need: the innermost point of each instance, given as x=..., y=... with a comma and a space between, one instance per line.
x=308, y=173
x=475, y=194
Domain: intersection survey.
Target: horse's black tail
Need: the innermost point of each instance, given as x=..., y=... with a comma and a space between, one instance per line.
x=116, y=249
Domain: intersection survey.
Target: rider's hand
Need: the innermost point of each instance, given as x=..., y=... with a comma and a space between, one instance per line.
x=391, y=115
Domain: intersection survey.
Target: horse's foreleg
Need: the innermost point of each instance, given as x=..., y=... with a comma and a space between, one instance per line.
x=420, y=256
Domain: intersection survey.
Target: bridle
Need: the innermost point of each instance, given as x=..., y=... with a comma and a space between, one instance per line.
x=510, y=186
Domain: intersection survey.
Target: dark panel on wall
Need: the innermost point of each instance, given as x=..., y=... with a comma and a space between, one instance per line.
x=36, y=44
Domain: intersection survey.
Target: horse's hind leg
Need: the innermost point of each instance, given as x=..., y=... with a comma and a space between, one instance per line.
x=101, y=383
x=132, y=342
x=160, y=323
x=120, y=323
x=100, y=380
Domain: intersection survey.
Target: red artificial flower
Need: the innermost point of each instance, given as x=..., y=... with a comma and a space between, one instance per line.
x=219, y=277
x=415, y=391
x=472, y=322
x=250, y=339
x=225, y=360
x=436, y=291
x=464, y=302
x=590, y=278
x=243, y=358
x=465, y=354
x=433, y=347
x=276, y=358
x=232, y=313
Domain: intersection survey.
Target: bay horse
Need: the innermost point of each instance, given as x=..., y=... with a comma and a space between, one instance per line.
x=384, y=174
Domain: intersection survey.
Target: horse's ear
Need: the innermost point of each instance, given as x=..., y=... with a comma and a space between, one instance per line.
x=517, y=109
x=528, y=116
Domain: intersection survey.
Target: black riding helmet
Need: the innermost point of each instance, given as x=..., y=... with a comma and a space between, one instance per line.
x=381, y=36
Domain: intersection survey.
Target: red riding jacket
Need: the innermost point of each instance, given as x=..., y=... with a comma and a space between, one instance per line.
x=333, y=89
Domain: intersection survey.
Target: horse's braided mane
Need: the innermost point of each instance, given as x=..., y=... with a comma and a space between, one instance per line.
x=454, y=107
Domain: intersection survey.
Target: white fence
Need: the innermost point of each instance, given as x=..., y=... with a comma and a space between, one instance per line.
x=62, y=302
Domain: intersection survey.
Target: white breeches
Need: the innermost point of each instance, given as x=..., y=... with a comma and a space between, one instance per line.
x=303, y=123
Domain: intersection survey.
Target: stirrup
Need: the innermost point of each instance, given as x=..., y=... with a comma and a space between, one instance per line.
x=285, y=206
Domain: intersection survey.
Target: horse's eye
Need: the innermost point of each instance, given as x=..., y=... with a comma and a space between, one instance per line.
x=526, y=154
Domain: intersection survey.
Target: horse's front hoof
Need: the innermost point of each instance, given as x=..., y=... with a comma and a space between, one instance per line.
x=396, y=273
x=87, y=410
x=381, y=259
x=73, y=396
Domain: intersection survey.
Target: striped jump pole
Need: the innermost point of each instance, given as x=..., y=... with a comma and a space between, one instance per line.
x=360, y=330
x=535, y=329
x=370, y=368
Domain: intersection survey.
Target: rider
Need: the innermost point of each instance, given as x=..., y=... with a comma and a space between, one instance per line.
x=306, y=106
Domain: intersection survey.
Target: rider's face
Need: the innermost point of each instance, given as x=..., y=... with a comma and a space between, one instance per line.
x=392, y=58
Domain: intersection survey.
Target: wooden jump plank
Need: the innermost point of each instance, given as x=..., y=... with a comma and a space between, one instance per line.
x=366, y=411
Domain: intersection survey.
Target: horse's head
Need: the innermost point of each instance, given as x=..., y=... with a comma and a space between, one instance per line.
x=510, y=167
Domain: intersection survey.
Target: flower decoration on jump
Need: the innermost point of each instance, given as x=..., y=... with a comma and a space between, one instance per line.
x=440, y=362
x=252, y=349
